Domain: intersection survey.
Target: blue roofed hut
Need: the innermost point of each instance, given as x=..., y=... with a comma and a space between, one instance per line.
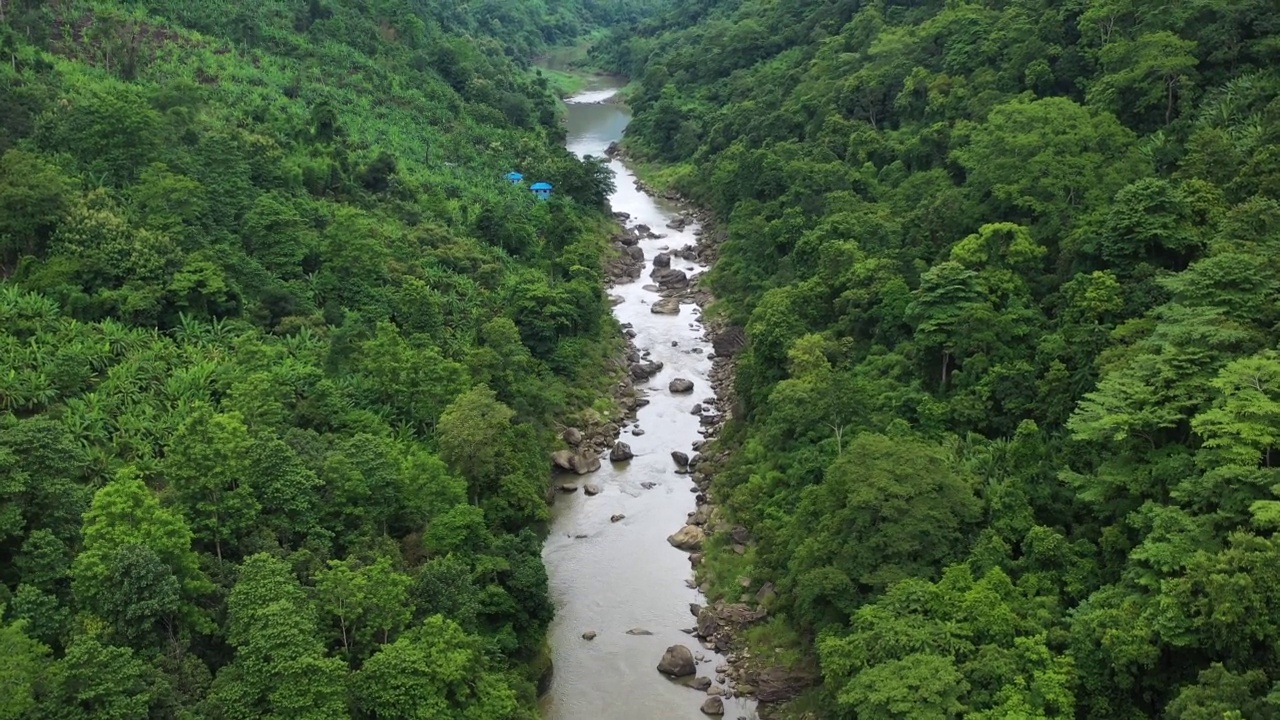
x=541, y=190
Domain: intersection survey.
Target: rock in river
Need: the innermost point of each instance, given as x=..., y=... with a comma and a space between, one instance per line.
x=713, y=706
x=700, y=683
x=621, y=452
x=666, y=306
x=563, y=459
x=662, y=260
x=681, y=459
x=688, y=538
x=680, y=385
x=585, y=462
x=670, y=278
x=589, y=635
x=644, y=371
x=591, y=489
x=677, y=661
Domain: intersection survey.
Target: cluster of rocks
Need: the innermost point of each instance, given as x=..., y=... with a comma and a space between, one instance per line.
x=681, y=662
x=627, y=261
x=717, y=626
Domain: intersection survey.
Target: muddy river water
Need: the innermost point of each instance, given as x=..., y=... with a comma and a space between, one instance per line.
x=624, y=575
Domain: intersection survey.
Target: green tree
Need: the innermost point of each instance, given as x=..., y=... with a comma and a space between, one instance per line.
x=207, y=465
x=434, y=670
x=478, y=441
x=1151, y=72
x=1049, y=160
x=23, y=663
x=367, y=602
x=126, y=514
x=280, y=669
x=887, y=509
x=94, y=680
x=34, y=195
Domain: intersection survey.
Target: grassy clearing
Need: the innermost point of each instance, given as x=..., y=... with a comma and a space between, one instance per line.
x=563, y=82
x=662, y=176
x=776, y=643
x=721, y=567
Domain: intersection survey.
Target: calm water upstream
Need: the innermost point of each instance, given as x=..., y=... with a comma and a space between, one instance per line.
x=624, y=575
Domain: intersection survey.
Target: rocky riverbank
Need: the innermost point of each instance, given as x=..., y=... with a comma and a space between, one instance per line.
x=585, y=446
x=598, y=436
x=721, y=625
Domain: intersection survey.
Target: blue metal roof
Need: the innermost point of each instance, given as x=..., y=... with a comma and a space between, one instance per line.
x=540, y=186
x=514, y=176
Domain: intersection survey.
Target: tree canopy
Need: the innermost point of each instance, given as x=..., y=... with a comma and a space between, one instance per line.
x=1006, y=413
x=262, y=286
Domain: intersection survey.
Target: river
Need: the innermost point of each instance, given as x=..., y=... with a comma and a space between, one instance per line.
x=625, y=575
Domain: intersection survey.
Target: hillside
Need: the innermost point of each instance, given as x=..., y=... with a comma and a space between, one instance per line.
x=1008, y=408
x=280, y=355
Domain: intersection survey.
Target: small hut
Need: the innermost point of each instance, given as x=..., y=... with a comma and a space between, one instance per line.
x=541, y=190
x=514, y=178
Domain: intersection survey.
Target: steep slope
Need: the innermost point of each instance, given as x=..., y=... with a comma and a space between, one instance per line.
x=280, y=350
x=1007, y=425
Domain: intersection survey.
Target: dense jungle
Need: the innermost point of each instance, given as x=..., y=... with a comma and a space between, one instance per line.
x=283, y=355
x=280, y=354
x=1009, y=403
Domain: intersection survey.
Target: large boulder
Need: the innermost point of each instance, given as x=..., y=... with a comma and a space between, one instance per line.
x=666, y=306
x=680, y=385
x=572, y=435
x=662, y=260
x=585, y=462
x=670, y=278
x=646, y=370
x=708, y=623
x=677, y=661
x=621, y=452
x=681, y=459
x=688, y=538
x=713, y=706
x=563, y=459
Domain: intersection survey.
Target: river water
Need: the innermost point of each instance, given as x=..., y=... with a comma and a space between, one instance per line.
x=625, y=575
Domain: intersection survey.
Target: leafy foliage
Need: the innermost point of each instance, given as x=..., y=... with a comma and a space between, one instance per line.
x=261, y=283
x=1007, y=407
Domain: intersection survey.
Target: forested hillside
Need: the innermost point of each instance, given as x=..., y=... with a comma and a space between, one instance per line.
x=1009, y=408
x=279, y=353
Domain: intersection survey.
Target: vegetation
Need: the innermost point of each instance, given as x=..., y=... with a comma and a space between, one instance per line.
x=1008, y=412
x=280, y=351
